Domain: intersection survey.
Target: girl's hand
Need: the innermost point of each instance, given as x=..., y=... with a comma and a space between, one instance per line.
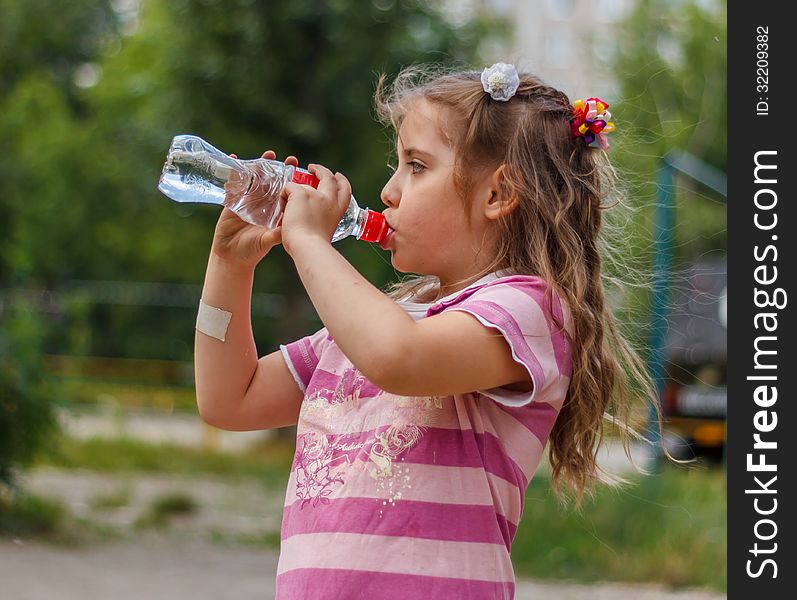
x=240, y=243
x=314, y=212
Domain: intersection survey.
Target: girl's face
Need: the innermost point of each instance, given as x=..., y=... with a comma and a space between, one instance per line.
x=432, y=235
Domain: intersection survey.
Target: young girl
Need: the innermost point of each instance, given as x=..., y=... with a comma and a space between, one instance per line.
x=422, y=414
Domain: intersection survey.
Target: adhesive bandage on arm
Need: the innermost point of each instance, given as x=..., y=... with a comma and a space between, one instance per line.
x=212, y=321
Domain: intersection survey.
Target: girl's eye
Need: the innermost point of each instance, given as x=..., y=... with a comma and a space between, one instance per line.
x=416, y=167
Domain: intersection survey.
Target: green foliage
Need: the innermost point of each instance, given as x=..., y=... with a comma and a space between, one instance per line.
x=668, y=528
x=673, y=96
x=166, y=507
x=270, y=462
x=26, y=400
x=263, y=539
x=40, y=137
x=30, y=515
x=52, y=39
x=672, y=56
x=90, y=101
x=296, y=77
x=670, y=63
x=112, y=500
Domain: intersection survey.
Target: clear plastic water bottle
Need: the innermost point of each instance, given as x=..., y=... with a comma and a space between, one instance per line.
x=195, y=171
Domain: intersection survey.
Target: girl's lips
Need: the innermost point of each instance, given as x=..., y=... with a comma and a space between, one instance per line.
x=384, y=243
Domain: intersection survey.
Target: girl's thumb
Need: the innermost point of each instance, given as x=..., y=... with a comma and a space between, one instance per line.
x=271, y=238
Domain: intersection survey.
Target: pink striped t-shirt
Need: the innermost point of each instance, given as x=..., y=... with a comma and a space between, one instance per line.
x=418, y=497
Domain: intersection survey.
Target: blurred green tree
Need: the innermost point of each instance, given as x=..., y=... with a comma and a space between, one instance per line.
x=40, y=113
x=26, y=396
x=293, y=76
x=671, y=64
x=672, y=57
x=86, y=123
x=40, y=137
x=32, y=42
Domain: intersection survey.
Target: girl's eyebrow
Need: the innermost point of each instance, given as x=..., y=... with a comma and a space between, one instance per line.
x=408, y=151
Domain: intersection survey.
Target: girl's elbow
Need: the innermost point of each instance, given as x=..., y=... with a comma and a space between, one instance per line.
x=389, y=366
x=220, y=420
x=386, y=372
x=206, y=412
x=379, y=375
x=401, y=387
x=378, y=368
x=212, y=412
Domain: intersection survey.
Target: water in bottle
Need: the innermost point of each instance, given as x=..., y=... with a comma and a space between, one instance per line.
x=195, y=171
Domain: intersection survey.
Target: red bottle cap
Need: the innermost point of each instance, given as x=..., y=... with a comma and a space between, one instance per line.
x=375, y=229
x=305, y=177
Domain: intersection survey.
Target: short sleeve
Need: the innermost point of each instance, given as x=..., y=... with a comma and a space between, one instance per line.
x=533, y=323
x=302, y=356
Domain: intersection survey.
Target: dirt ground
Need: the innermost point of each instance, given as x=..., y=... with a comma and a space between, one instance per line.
x=182, y=561
x=159, y=567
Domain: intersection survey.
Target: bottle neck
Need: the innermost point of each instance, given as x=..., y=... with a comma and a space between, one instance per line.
x=360, y=217
x=371, y=226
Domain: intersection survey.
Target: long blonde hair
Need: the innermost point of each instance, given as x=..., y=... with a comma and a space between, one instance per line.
x=555, y=233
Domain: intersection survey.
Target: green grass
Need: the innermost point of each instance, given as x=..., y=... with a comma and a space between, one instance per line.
x=269, y=461
x=112, y=500
x=164, y=508
x=669, y=529
x=262, y=539
x=26, y=514
x=90, y=392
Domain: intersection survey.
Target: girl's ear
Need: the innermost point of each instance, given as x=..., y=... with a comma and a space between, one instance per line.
x=497, y=204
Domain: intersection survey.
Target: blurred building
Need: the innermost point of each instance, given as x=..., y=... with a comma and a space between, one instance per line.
x=569, y=43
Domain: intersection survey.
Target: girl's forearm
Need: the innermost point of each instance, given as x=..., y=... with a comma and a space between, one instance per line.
x=224, y=370
x=366, y=324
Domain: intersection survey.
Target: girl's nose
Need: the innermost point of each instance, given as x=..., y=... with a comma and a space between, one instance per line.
x=390, y=194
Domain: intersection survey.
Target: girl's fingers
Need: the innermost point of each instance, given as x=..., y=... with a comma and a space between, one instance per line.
x=287, y=190
x=320, y=171
x=289, y=160
x=327, y=184
x=344, y=189
x=271, y=238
